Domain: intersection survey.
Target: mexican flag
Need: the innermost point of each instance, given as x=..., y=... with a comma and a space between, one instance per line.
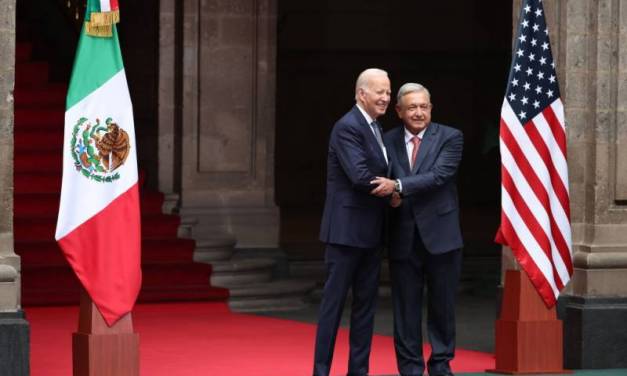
x=98, y=227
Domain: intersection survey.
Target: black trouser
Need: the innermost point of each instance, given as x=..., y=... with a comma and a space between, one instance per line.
x=355, y=268
x=440, y=273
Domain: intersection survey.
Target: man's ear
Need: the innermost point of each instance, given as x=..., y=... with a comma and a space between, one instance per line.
x=360, y=94
x=398, y=110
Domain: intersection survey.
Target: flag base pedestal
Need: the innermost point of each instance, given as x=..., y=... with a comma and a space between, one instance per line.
x=528, y=334
x=100, y=350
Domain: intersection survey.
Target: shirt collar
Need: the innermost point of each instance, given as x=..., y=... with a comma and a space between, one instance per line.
x=369, y=120
x=409, y=135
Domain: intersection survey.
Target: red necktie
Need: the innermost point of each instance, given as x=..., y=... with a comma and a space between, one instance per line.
x=416, y=141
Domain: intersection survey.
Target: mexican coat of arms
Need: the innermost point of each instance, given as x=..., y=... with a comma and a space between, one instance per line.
x=99, y=150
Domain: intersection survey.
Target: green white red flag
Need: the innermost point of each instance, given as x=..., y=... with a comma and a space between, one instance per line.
x=98, y=228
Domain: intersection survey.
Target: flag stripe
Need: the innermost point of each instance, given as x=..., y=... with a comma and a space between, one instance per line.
x=97, y=60
x=557, y=128
x=105, y=5
x=528, y=175
x=558, y=110
x=556, y=184
x=112, y=282
x=533, y=254
x=535, y=207
x=528, y=172
x=536, y=275
x=111, y=99
x=536, y=170
x=559, y=166
x=533, y=226
x=522, y=193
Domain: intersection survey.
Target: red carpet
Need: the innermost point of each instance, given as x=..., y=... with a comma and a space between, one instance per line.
x=169, y=272
x=192, y=339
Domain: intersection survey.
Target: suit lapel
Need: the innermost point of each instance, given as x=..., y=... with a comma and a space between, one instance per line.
x=401, y=150
x=425, y=146
x=369, y=134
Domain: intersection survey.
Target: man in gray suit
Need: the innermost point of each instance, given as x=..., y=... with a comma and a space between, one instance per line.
x=425, y=236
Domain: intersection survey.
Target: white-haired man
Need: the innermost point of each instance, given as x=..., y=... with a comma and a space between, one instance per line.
x=352, y=224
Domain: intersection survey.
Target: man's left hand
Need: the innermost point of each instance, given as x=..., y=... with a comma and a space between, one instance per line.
x=385, y=187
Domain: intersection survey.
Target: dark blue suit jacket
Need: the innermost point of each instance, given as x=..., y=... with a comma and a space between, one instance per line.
x=352, y=216
x=429, y=192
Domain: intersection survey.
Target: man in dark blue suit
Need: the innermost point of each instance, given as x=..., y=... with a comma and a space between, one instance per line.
x=352, y=224
x=425, y=236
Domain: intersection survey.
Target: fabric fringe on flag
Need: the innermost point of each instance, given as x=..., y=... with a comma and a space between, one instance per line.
x=99, y=22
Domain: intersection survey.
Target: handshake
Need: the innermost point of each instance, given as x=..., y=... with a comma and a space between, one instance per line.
x=386, y=187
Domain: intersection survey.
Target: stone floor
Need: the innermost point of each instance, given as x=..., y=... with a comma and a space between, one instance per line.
x=476, y=312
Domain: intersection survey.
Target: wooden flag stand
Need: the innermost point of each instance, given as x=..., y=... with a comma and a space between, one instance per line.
x=100, y=350
x=528, y=335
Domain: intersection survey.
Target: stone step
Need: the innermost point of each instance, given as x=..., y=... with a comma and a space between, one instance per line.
x=215, y=249
x=242, y=272
x=185, y=228
x=170, y=203
x=290, y=303
x=281, y=295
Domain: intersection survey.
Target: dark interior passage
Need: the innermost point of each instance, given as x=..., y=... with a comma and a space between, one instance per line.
x=460, y=50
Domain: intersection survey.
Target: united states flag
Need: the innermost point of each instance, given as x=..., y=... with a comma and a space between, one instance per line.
x=535, y=213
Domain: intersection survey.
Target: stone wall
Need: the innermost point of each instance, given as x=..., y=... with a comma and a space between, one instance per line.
x=227, y=135
x=589, y=42
x=9, y=261
x=14, y=330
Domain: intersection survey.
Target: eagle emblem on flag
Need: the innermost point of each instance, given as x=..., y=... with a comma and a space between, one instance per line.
x=99, y=150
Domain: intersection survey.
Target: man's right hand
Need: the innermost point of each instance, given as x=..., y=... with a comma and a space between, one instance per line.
x=385, y=187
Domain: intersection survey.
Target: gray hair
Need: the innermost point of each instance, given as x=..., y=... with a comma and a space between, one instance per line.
x=365, y=76
x=411, y=87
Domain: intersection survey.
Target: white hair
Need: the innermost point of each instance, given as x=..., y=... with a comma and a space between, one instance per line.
x=411, y=87
x=363, y=80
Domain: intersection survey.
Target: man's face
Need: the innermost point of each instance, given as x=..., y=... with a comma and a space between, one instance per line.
x=375, y=98
x=415, y=111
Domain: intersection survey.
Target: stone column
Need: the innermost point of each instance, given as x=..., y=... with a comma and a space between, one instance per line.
x=167, y=111
x=169, y=142
x=594, y=50
x=589, y=42
x=14, y=330
x=227, y=183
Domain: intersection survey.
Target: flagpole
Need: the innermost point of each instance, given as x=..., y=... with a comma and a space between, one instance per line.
x=100, y=350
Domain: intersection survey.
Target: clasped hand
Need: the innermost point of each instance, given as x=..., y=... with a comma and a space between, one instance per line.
x=385, y=187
